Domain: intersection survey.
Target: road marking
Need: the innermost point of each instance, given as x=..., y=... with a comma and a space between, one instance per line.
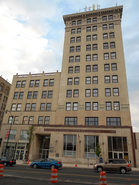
x=71, y=174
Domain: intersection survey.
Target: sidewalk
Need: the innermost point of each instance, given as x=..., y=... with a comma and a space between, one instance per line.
x=84, y=166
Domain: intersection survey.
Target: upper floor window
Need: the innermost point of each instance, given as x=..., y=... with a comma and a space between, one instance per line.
x=87, y=106
x=47, y=120
x=71, y=59
x=104, y=18
x=44, y=93
x=35, y=93
x=115, y=91
x=89, y=20
x=37, y=83
x=76, y=81
x=48, y=106
x=72, y=39
x=87, y=92
x=77, y=59
x=75, y=106
x=112, y=44
x=15, y=95
x=107, y=92
x=108, y=106
x=88, y=38
x=91, y=120
x=95, y=92
x=42, y=107
x=31, y=120
x=88, y=57
x=69, y=81
x=1, y=87
x=13, y=108
x=106, y=56
x=94, y=19
x=73, y=23
x=29, y=95
x=23, y=83
x=88, y=68
x=95, y=106
x=50, y=94
x=71, y=49
x=78, y=39
x=40, y=120
x=110, y=17
x=72, y=31
x=95, y=37
x=31, y=83
x=45, y=83
x=69, y=93
x=33, y=106
x=78, y=30
x=10, y=120
x=68, y=106
x=23, y=135
x=113, y=121
x=114, y=79
x=116, y=105
x=94, y=46
x=104, y=26
x=95, y=79
x=79, y=22
x=111, y=26
x=78, y=48
x=76, y=93
x=27, y=108
x=7, y=91
x=88, y=29
x=51, y=82
x=70, y=70
x=25, y=120
x=107, y=79
x=18, y=107
x=94, y=28
x=106, y=67
x=88, y=47
x=111, y=35
x=70, y=120
x=95, y=57
x=95, y=68
x=114, y=67
x=105, y=45
x=77, y=69
x=88, y=80
x=18, y=83
x=105, y=35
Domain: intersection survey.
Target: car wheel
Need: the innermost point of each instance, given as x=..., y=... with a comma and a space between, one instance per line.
x=52, y=167
x=35, y=166
x=122, y=170
x=99, y=169
x=5, y=164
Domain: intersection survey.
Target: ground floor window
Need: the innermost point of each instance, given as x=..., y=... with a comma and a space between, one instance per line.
x=90, y=146
x=69, y=147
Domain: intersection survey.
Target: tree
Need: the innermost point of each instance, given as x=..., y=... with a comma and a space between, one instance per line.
x=98, y=150
x=30, y=137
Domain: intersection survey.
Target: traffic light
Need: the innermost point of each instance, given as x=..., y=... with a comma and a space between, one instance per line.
x=0, y=141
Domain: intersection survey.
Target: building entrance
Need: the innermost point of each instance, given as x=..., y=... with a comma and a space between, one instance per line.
x=44, y=146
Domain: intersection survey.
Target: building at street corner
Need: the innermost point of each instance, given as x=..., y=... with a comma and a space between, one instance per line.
x=84, y=104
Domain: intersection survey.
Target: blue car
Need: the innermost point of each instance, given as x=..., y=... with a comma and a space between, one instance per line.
x=47, y=163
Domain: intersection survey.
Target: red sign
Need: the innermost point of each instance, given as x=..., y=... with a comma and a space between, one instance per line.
x=7, y=134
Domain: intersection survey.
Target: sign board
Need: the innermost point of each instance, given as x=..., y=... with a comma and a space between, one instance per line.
x=51, y=149
x=7, y=134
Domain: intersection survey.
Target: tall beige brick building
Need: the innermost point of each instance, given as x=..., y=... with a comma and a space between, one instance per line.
x=87, y=103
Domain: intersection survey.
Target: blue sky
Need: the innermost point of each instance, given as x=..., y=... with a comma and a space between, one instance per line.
x=32, y=37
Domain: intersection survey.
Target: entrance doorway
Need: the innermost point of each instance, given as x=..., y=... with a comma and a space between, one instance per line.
x=44, y=146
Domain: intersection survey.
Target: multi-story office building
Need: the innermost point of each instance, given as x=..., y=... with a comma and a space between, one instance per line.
x=86, y=104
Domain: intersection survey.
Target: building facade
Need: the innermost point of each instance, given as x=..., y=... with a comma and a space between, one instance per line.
x=86, y=104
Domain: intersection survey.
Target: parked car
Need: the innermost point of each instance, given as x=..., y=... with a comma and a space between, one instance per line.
x=120, y=165
x=7, y=161
x=47, y=163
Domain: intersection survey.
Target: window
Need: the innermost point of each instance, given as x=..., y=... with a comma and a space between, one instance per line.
x=76, y=81
x=44, y=93
x=113, y=55
x=0, y=96
x=72, y=39
x=95, y=92
x=7, y=91
x=31, y=120
x=23, y=83
x=18, y=107
x=51, y=82
x=78, y=39
x=95, y=68
x=107, y=92
x=37, y=83
x=95, y=57
x=95, y=106
x=106, y=67
x=87, y=106
x=71, y=59
x=114, y=67
x=69, y=146
x=18, y=83
x=88, y=47
x=108, y=106
x=95, y=79
x=76, y=93
x=50, y=94
x=107, y=79
x=94, y=19
x=105, y=45
x=42, y=107
x=71, y=49
x=79, y=22
x=27, y=108
x=104, y=26
x=70, y=120
x=95, y=37
x=69, y=81
x=78, y=30
x=25, y=120
x=75, y=106
x=111, y=26
x=73, y=23
x=88, y=38
x=29, y=95
x=116, y=105
x=113, y=121
x=16, y=119
x=48, y=107
x=111, y=35
x=15, y=95
x=45, y=83
x=33, y=106
x=88, y=80
x=88, y=68
x=78, y=48
x=69, y=93
x=68, y=106
x=87, y=92
x=12, y=134
x=88, y=57
x=94, y=46
x=110, y=17
x=104, y=18
x=88, y=29
x=70, y=70
x=105, y=35
x=114, y=79
x=10, y=120
x=106, y=56
x=40, y=120
x=77, y=59
x=72, y=31
x=1, y=87
x=21, y=95
x=35, y=93
x=94, y=28
x=23, y=135
x=13, y=108
x=115, y=91
x=31, y=83
x=47, y=120
x=112, y=44
x=89, y=20
x=77, y=69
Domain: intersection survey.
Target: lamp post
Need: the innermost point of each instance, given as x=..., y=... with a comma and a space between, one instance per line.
x=9, y=131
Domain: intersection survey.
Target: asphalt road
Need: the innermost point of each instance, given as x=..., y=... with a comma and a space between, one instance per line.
x=24, y=174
